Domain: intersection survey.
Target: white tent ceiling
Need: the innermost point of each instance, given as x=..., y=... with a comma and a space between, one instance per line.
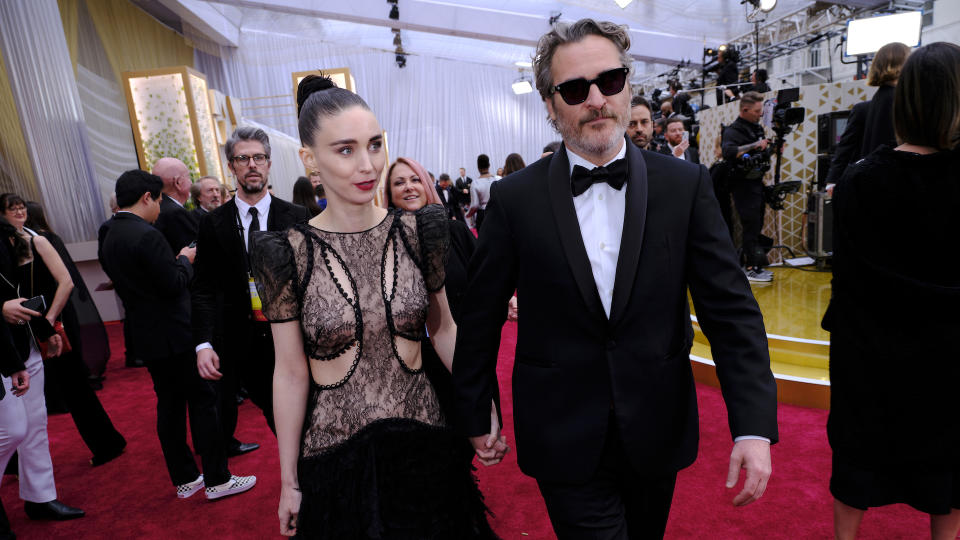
x=497, y=32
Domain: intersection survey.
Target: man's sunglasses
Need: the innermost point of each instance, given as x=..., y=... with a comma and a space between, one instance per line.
x=576, y=91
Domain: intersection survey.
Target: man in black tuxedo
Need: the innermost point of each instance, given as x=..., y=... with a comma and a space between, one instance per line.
x=154, y=288
x=677, y=146
x=178, y=226
x=234, y=342
x=601, y=240
x=448, y=197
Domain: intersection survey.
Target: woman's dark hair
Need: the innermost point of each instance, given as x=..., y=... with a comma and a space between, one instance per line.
x=317, y=98
x=8, y=233
x=762, y=75
x=513, y=164
x=483, y=162
x=36, y=219
x=926, y=104
x=10, y=199
x=304, y=196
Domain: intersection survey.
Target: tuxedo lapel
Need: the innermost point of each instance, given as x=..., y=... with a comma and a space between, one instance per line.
x=634, y=218
x=228, y=230
x=561, y=201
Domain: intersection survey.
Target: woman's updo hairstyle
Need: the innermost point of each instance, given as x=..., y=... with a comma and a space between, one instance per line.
x=318, y=97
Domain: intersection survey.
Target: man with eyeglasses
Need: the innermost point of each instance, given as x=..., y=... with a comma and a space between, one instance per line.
x=175, y=222
x=602, y=240
x=234, y=344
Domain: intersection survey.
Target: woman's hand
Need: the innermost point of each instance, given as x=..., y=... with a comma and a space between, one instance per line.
x=14, y=313
x=289, y=510
x=53, y=346
x=513, y=311
x=20, y=383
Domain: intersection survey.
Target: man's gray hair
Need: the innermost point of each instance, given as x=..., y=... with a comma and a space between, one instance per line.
x=247, y=133
x=563, y=34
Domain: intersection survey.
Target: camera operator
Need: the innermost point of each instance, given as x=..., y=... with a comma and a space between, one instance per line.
x=744, y=146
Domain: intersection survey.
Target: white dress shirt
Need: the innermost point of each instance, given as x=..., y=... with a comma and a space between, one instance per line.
x=600, y=214
x=263, y=208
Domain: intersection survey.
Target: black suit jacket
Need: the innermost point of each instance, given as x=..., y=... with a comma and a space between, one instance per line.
x=221, y=292
x=178, y=225
x=869, y=125
x=11, y=358
x=151, y=282
x=450, y=202
x=573, y=366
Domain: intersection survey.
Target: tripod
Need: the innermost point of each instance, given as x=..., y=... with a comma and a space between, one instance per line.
x=775, y=194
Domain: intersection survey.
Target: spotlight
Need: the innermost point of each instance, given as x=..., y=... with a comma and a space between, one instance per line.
x=767, y=5
x=401, y=61
x=394, y=12
x=554, y=17
x=397, y=41
x=522, y=86
x=523, y=64
x=723, y=47
x=623, y=3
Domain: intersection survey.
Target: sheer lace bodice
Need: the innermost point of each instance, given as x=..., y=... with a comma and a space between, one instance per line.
x=361, y=300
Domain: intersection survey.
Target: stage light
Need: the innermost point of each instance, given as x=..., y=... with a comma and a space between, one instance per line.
x=523, y=64
x=394, y=12
x=623, y=3
x=401, y=61
x=522, y=86
x=397, y=41
x=865, y=36
x=723, y=47
x=767, y=5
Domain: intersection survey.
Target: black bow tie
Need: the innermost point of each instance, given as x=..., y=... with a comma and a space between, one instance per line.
x=614, y=174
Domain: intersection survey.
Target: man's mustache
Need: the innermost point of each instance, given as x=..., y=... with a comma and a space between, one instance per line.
x=595, y=114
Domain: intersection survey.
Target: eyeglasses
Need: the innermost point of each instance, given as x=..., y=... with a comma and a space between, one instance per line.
x=576, y=91
x=243, y=160
x=17, y=209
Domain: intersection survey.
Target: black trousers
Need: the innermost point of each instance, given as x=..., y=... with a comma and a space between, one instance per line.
x=748, y=199
x=66, y=377
x=247, y=361
x=616, y=504
x=181, y=391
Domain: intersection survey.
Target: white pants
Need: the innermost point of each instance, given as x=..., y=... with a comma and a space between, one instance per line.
x=23, y=427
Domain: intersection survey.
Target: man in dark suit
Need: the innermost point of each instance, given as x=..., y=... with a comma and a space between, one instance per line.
x=601, y=240
x=677, y=146
x=175, y=222
x=205, y=193
x=234, y=342
x=154, y=288
x=448, y=197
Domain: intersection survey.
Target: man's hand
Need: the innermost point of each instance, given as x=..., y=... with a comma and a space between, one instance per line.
x=208, y=364
x=14, y=313
x=679, y=149
x=491, y=447
x=754, y=456
x=289, y=510
x=54, y=344
x=762, y=144
x=189, y=252
x=20, y=383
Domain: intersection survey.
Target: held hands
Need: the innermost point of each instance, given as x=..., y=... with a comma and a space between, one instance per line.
x=54, y=344
x=20, y=383
x=208, y=364
x=14, y=313
x=754, y=456
x=289, y=510
x=491, y=447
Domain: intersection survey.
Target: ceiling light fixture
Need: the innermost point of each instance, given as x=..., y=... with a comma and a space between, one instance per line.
x=623, y=3
x=522, y=86
x=523, y=64
x=767, y=5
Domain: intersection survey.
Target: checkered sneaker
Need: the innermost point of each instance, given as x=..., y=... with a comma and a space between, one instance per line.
x=188, y=489
x=236, y=484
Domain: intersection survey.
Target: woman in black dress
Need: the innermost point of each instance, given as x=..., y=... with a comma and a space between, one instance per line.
x=364, y=449
x=894, y=425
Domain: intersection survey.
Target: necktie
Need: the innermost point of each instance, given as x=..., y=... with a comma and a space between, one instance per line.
x=254, y=227
x=614, y=174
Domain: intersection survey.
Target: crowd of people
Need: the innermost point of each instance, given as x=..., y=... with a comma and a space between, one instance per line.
x=368, y=335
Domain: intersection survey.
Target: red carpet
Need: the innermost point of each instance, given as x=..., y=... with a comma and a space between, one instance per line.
x=131, y=497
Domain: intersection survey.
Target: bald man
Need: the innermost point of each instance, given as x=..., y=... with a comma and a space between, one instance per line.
x=176, y=224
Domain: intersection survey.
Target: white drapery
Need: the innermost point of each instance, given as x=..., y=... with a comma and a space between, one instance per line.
x=51, y=114
x=443, y=113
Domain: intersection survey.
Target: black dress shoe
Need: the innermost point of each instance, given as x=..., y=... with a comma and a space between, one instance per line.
x=241, y=448
x=54, y=510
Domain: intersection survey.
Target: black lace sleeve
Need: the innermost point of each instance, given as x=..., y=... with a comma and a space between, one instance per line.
x=274, y=271
x=434, y=235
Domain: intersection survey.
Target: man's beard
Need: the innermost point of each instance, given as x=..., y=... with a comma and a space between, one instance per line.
x=576, y=139
x=251, y=189
x=642, y=141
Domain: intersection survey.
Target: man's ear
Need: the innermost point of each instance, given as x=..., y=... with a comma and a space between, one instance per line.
x=550, y=111
x=146, y=198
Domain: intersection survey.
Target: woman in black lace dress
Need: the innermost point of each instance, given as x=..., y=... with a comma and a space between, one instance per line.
x=894, y=424
x=364, y=449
